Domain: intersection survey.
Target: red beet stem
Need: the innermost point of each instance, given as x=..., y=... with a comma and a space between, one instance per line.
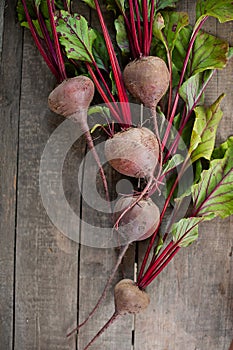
x=152, y=268
x=145, y=27
x=137, y=12
x=60, y=60
x=146, y=256
x=114, y=317
x=46, y=36
x=164, y=258
x=173, y=113
x=185, y=119
x=161, y=268
x=115, y=68
x=102, y=93
x=134, y=31
x=91, y=146
x=103, y=295
x=39, y=45
x=152, y=12
x=103, y=80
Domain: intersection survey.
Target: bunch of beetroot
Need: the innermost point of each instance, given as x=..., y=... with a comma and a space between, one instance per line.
x=134, y=151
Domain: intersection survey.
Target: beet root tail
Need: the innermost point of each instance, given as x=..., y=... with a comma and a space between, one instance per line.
x=114, y=317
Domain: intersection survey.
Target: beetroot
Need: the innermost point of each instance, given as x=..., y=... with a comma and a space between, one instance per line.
x=129, y=299
x=72, y=99
x=147, y=79
x=140, y=221
x=133, y=152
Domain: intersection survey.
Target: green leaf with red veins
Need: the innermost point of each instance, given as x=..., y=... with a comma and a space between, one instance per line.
x=192, y=89
x=121, y=35
x=209, y=52
x=172, y=163
x=75, y=36
x=162, y=4
x=204, y=130
x=59, y=4
x=185, y=231
x=181, y=47
x=113, y=5
x=158, y=26
x=213, y=194
x=90, y=3
x=113, y=83
x=37, y=3
x=100, y=52
x=167, y=26
x=174, y=22
x=221, y=9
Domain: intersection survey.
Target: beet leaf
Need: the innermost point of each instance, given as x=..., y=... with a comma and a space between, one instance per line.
x=167, y=27
x=192, y=90
x=204, y=130
x=172, y=163
x=213, y=194
x=222, y=9
x=121, y=35
x=162, y=4
x=76, y=36
x=185, y=231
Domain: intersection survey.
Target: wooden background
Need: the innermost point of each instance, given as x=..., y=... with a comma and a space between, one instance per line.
x=48, y=282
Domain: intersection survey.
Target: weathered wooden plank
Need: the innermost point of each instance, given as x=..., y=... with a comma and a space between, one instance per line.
x=47, y=261
x=2, y=6
x=10, y=77
x=191, y=301
x=96, y=263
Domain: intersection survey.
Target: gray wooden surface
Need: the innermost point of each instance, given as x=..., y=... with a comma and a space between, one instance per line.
x=10, y=94
x=47, y=281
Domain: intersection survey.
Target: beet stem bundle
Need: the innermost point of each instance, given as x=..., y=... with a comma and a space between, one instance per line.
x=115, y=66
x=146, y=256
x=176, y=99
x=140, y=34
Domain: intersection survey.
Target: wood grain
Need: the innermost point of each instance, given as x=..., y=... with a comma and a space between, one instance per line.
x=47, y=261
x=57, y=281
x=10, y=78
x=2, y=6
x=97, y=262
x=191, y=301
